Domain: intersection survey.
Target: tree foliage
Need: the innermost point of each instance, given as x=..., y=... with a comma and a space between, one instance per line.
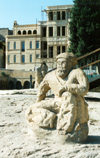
x=85, y=26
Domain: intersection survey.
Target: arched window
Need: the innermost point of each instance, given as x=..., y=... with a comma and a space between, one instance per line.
x=24, y=32
x=26, y=85
x=11, y=85
x=19, y=32
x=18, y=85
x=34, y=32
x=29, y=32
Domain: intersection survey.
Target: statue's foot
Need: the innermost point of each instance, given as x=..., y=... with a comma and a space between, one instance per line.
x=80, y=135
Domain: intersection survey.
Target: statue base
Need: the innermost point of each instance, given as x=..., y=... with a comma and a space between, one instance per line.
x=79, y=136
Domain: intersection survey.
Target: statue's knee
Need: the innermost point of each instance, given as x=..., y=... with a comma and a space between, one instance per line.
x=69, y=97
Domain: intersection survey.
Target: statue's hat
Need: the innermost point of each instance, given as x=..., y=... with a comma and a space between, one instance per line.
x=69, y=57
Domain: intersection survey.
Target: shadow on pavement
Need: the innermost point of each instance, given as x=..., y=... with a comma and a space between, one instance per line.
x=93, y=139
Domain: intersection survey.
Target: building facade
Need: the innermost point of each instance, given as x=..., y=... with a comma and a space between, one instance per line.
x=30, y=45
x=3, y=33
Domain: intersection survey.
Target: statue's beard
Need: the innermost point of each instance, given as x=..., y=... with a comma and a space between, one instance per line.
x=61, y=73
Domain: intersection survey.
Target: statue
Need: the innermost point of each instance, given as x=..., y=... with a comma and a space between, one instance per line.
x=40, y=73
x=67, y=112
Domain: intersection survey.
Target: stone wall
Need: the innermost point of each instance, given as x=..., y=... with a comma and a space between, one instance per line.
x=16, y=79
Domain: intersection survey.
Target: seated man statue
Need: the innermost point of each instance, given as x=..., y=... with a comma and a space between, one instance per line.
x=40, y=74
x=67, y=112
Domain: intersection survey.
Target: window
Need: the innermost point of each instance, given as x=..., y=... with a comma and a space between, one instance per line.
x=34, y=32
x=58, y=50
x=23, y=46
x=63, y=49
x=58, y=30
x=14, y=58
x=23, y=58
x=50, y=31
x=37, y=44
x=30, y=58
x=30, y=44
x=58, y=15
x=37, y=55
x=19, y=32
x=63, y=15
x=50, y=15
x=8, y=45
x=8, y=59
x=43, y=31
x=29, y=32
x=14, y=45
x=24, y=32
x=51, y=52
x=44, y=45
x=43, y=54
x=63, y=30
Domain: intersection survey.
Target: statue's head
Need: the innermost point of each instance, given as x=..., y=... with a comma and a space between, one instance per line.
x=65, y=62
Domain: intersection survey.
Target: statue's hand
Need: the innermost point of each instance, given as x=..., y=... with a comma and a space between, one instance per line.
x=61, y=91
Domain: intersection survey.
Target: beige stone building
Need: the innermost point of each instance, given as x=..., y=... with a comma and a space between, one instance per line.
x=3, y=33
x=32, y=44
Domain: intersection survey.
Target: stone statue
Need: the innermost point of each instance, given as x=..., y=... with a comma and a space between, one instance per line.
x=40, y=73
x=67, y=112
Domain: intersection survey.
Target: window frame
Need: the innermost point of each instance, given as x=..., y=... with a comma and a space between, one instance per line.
x=50, y=16
x=50, y=52
x=58, y=31
x=23, y=46
x=63, y=15
x=63, y=49
x=23, y=59
x=30, y=45
x=14, y=58
x=37, y=44
x=14, y=45
x=30, y=58
x=58, y=15
x=58, y=50
x=63, y=30
x=51, y=31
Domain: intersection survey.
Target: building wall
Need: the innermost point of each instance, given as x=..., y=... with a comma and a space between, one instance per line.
x=3, y=33
x=1, y=58
x=48, y=44
x=19, y=65
x=16, y=79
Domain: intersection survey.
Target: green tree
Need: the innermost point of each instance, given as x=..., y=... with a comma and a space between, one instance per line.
x=85, y=26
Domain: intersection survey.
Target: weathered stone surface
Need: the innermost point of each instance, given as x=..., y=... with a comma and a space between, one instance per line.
x=67, y=112
x=17, y=141
x=40, y=74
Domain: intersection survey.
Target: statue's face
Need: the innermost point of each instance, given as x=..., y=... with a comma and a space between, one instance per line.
x=63, y=67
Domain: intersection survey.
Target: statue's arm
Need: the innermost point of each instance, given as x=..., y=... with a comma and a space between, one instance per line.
x=43, y=89
x=82, y=85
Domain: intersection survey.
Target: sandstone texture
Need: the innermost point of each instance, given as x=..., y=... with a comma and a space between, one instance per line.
x=67, y=111
x=18, y=141
x=40, y=74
